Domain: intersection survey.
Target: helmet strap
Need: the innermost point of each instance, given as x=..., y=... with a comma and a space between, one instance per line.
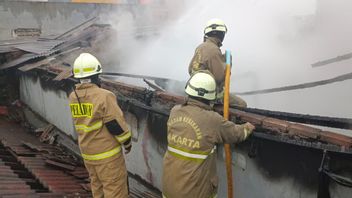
x=79, y=101
x=85, y=80
x=202, y=100
x=200, y=91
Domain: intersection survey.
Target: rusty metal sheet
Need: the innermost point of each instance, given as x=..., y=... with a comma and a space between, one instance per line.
x=22, y=169
x=59, y=182
x=60, y=165
x=14, y=186
x=22, y=152
x=21, y=196
x=19, y=181
x=16, y=191
x=54, y=179
x=87, y=187
x=31, y=146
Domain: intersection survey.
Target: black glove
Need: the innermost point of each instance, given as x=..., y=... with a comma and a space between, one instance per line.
x=128, y=149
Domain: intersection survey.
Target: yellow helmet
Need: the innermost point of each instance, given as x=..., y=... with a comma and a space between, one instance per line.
x=86, y=65
x=202, y=85
x=215, y=25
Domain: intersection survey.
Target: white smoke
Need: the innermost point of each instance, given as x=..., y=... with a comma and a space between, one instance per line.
x=273, y=43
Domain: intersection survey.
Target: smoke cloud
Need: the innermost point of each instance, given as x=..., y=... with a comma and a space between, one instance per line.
x=273, y=43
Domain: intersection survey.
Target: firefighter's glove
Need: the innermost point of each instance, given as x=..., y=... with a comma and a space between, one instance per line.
x=220, y=94
x=248, y=129
x=224, y=55
x=128, y=148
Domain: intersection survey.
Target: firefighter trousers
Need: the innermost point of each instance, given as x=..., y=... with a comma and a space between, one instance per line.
x=109, y=180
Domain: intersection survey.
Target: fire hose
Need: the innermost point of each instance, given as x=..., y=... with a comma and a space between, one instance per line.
x=226, y=116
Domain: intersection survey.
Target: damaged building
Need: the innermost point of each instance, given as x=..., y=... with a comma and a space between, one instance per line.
x=288, y=155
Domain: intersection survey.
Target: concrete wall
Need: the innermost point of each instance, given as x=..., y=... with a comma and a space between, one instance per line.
x=145, y=159
x=49, y=104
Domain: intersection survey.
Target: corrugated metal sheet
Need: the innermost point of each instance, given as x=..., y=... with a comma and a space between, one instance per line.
x=39, y=47
x=7, y=49
x=8, y=43
x=45, y=47
x=33, y=46
x=24, y=58
x=28, y=67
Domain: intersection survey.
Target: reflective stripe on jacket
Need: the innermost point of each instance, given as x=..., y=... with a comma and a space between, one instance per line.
x=189, y=155
x=103, y=155
x=87, y=129
x=124, y=137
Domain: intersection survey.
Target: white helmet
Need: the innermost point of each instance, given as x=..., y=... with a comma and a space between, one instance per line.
x=86, y=65
x=215, y=25
x=202, y=85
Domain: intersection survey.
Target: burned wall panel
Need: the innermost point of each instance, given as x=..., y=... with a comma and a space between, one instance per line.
x=51, y=104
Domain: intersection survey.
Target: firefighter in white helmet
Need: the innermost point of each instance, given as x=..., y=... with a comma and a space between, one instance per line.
x=208, y=56
x=102, y=130
x=193, y=130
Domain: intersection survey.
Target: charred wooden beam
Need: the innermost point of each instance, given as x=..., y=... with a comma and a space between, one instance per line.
x=342, y=123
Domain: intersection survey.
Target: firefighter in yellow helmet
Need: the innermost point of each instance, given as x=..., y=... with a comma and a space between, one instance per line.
x=208, y=56
x=102, y=130
x=193, y=130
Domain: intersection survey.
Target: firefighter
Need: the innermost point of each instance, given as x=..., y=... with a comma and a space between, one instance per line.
x=102, y=130
x=208, y=56
x=193, y=130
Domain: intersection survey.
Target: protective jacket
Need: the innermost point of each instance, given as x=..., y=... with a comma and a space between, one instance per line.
x=208, y=57
x=189, y=166
x=95, y=108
